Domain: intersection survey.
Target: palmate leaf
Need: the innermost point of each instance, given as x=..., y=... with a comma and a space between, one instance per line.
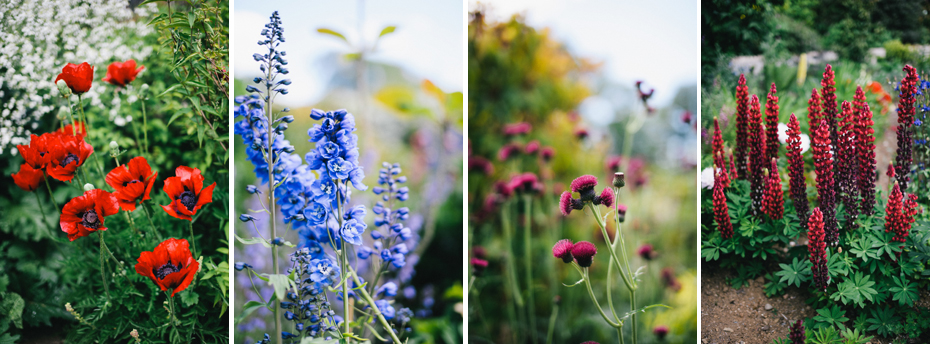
x=883, y=321
x=865, y=248
x=831, y=316
x=856, y=290
x=796, y=273
x=904, y=292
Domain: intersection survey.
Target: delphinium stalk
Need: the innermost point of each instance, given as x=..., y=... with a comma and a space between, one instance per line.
x=721, y=209
x=823, y=167
x=865, y=151
x=742, y=127
x=757, y=160
x=906, y=112
x=773, y=201
x=846, y=176
x=796, y=181
x=771, y=124
x=817, y=247
x=719, y=158
x=814, y=109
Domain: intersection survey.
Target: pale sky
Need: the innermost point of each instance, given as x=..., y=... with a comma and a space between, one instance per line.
x=428, y=43
x=654, y=41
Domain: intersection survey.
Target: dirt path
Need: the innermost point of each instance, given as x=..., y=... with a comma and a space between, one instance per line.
x=746, y=315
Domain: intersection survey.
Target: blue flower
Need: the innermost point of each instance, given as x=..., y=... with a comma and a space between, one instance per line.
x=316, y=213
x=388, y=289
x=324, y=272
x=386, y=309
x=352, y=231
x=339, y=168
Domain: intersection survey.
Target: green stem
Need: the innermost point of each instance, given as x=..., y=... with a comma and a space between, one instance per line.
x=145, y=126
x=587, y=283
x=149, y=216
x=193, y=241
x=50, y=195
x=132, y=223
x=374, y=308
x=552, y=318
x=618, y=238
x=103, y=274
x=71, y=114
x=508, y=246
x=528, y=261
x=44, y=218
x=613, y=254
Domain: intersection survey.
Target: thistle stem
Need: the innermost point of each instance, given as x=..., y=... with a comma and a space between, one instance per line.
x=552, y=319
x=528, y=261
x=587, y=283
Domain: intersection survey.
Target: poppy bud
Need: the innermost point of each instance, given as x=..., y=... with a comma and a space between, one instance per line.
x=114, y=145
x=63, y=88
x=88, y=187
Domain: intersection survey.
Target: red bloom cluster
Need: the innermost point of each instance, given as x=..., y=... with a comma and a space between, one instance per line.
x=133, y=182
x=122, y=73
x=757, y=160
x=509, y=150
x=796, y=170
x=84, y=214
x=865, y=149
x=187, y=193
x=526, y=183
x=771, y=124
x=817, y=248
x=846, y=163
x=814, y=110
x=79, y=78
x=57, y=154
x=170, y=265
x=823, y=166
x=519, y=128
x=720, y=161
x=584, y=185
x=828, y=93
x=906, y=111
x=797, y=335
x=721, y=210
x=546, y=153
x=773, y=202
x=742, y=126
x=480, y=165
x=531, y=147
x=899, y=214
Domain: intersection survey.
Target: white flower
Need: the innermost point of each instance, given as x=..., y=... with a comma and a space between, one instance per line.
x=707, y=178
x=88, y=187
x=783, y=137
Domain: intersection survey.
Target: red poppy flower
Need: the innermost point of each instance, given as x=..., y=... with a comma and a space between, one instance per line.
x=84, y=214
x=132, y=182
x=78, y=77
x=187, y=193
x=170, y=265
x=37, y=152
x=66, y=157
x=122, y=73
x=69, y=131
x=28, y=178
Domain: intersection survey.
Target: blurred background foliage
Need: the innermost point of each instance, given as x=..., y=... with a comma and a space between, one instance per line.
x=401, y=118
x=520, y=73
x=39, y=265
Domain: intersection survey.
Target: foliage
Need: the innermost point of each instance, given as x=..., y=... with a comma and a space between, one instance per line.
x=46, y=270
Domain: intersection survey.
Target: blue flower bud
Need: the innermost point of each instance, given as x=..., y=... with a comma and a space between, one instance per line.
x=252, y=189
x=278, y=241
x=240, y=266
x=246, y=218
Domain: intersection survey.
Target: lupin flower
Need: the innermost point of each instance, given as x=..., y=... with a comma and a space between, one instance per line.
x=122, y=73
x=721, y=210
x=823, y=167
x=732, y=169
x=814, y=110
x=133, y=182
x=187, y=193
x=846, y=163
x=84, y=214
x=742, y=127
x=817, y=247
x=78, y=77
x=865, y=151
x=796, y=181
x=890, y=171
x=584, y=252
x=717, y=151
x=828, y=95
x=797, y=335
x=906, y=112
x=773, y=202
x=757, y=154
x=771, y=123
x=170, y=265
x=899, y=214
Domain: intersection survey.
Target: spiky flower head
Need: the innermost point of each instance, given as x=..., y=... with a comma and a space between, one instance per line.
x=817, y=247
x=584, y=252
x=563, y=250
x=721, y=210
x=773, y=202
x=796, y=181
x=771, y=123
x=742, y=126
x=823, y=166
x=584, y=185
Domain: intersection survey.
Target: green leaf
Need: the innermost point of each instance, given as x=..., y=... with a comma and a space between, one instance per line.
x=797, y=272
x=190, y=19
x=883, y=321
x=574, y=284
x=178, y=114
x=11, y=307
x=254, y=241
x=831, y=316
x=189, y=298
x=641, y=310
x=905, y=293
x=281, y=284
x=333, y=33
x=247, y=309
x=387, y=30
x=309, y=340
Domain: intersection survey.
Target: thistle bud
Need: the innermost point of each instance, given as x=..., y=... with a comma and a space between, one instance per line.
x=619, y=180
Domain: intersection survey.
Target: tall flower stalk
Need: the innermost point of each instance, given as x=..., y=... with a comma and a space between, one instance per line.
x=742, y=127
x=773, y=202
x=796, y=181
x=721, y=209
x=719, y=159
x=771, y=124
x=757, y=156
x=817, y=249
x=865, y=152
x=846, y=176
x=906, y=112
x=823, y=167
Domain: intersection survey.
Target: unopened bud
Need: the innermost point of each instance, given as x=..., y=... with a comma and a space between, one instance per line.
x=63, y=88
x=619, y=180
x=88, y=187
x=114, y=145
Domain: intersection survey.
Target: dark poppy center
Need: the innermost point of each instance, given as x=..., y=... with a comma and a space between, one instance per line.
x=90, y=220
x=42, y=154
x=131, y=182
x=163, y=271
x=69, y=159
x=188, y=199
